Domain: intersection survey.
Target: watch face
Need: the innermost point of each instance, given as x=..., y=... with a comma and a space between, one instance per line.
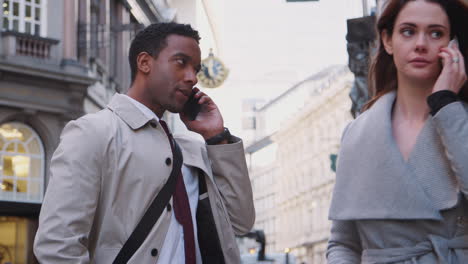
x=212, y=73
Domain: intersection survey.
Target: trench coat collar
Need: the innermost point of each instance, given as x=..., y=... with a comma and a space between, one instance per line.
x=128, y=112
x=373, y=180
x=194, y=153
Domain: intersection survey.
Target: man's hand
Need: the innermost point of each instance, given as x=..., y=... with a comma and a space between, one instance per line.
x=209, y=121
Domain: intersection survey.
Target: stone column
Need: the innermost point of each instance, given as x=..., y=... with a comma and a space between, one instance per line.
x=70, y=27
x=83, y=25
x=1, y=19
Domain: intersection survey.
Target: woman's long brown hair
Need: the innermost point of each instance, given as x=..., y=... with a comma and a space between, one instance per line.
x=382, y=71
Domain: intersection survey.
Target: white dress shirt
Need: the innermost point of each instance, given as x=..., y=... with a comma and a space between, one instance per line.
x=173, y=250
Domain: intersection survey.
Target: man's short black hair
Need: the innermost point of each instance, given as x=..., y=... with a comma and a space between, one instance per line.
x=152, y=40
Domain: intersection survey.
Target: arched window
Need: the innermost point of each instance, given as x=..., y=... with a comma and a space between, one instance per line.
x=21, y=164
x=25, y=16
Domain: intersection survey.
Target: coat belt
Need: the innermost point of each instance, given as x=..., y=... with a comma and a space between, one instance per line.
x=440, y=246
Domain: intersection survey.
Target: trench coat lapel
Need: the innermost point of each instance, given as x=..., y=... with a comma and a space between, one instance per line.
x=374, y=182
x=194, y=153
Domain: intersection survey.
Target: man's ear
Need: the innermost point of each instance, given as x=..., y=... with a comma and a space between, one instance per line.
x=144, y=62
x=387, y=42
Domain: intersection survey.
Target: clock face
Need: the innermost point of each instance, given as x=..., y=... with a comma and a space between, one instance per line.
x=212, y=73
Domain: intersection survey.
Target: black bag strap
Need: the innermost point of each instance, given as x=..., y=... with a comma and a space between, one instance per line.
x=153, y=212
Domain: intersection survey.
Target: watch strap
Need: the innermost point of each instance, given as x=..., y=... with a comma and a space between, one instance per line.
x=216, y=139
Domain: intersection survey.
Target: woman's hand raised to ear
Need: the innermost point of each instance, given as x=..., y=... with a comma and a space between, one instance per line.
x=453, y=75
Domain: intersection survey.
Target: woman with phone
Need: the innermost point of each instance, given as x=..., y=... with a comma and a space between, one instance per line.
x=402, y=178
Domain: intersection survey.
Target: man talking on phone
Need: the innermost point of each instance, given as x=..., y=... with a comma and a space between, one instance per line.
x=123, y=189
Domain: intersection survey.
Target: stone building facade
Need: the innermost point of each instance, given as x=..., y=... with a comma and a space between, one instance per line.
x=59, y=59
x=291, y=162
x=308, y=145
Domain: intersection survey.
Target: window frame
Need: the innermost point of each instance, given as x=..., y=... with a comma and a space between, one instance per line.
x=9, y=16
x=26, y=197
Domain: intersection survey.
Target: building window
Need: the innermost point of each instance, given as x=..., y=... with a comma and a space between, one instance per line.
x=21, y=164
x=16, y=241
x=249, y=123
x=25, y=16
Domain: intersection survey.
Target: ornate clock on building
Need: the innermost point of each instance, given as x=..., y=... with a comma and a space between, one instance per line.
x=213, y=72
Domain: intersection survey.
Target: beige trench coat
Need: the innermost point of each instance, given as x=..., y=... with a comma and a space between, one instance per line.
x=106, y=171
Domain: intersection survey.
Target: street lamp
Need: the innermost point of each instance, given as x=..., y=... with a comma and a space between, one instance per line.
x=259, y=236
x=287, y=250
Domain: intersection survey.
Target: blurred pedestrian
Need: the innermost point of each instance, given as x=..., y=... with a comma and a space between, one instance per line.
x=402, y=178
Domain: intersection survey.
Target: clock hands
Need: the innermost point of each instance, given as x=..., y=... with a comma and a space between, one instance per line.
x=206, y=71
x=213, y=72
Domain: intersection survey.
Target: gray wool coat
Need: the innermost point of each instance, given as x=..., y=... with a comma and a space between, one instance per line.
x=388, y=210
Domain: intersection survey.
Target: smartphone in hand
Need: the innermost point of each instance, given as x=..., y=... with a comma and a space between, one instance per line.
x=452, y=42
x=192, y=108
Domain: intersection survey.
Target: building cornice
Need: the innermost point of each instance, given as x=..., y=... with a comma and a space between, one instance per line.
x=326, y=75
x=148, y=12
x=52, y=72
x=259, y=144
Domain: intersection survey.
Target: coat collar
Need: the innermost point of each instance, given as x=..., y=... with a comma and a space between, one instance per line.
x=373, y=180
x=127, y=111
x=194, y=153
